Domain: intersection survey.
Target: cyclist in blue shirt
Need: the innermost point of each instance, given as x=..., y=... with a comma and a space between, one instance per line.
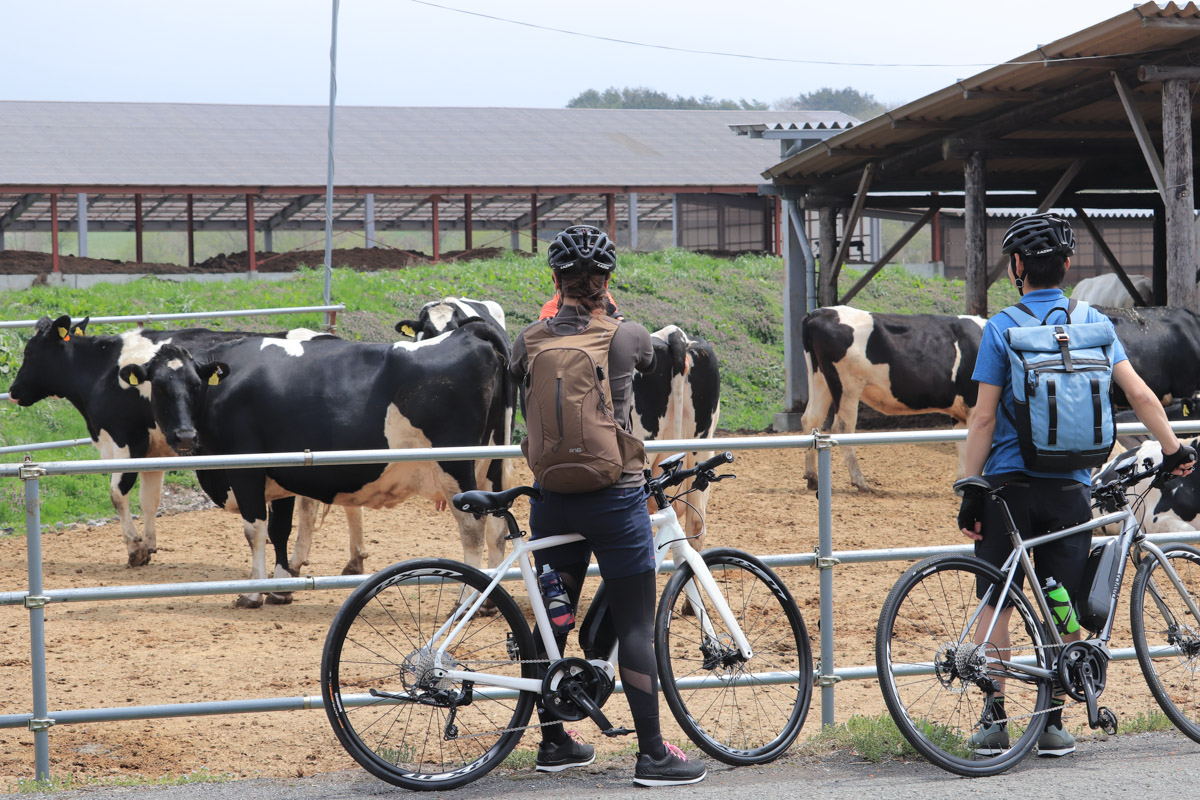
x=1039, y=249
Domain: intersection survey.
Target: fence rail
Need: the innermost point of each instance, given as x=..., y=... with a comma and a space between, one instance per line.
x=37, y=597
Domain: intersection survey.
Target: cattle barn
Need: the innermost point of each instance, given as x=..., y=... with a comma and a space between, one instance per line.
x=1098, y=120
x=482, y=177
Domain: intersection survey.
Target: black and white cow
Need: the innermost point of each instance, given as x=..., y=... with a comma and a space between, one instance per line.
x=438, y=316
x=679, y=398
x=1163, y=345
x=895, y=363
x=286, y=396
x=1107, y=290
x=1173, y=508
x=91, y=372
x=1185, y=410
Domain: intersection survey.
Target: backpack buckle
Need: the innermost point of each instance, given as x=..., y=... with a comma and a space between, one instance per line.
x=1061, y=336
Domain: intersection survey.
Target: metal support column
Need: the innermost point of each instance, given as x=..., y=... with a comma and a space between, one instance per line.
x=533, y=236
x=35, y=602
x=633, y=221
x=826, y=678
x=54, y=265
x=467, y=222
x=81, y=231
x=369, y=213
x=610, y=215
x=435, y=203
x=798, y=262
x=675, y=220
x=191, y=231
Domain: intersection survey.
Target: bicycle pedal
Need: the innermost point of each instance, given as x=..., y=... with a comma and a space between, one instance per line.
x=614, y=732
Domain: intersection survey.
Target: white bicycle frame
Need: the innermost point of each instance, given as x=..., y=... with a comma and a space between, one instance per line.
x=1125, y=542
x=668, y=534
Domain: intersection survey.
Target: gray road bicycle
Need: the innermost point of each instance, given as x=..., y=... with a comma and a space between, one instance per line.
x=427, y=690
x=943, y=656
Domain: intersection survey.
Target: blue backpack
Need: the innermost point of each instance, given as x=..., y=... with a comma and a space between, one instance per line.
x=1062, y=387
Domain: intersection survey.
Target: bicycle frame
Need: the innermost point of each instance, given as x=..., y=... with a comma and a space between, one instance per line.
x=668, y=534
x=1130, y=540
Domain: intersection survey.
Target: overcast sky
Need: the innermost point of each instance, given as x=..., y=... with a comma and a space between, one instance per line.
x=408, y=53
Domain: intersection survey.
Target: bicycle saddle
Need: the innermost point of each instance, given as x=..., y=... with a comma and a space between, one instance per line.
x=481, y=502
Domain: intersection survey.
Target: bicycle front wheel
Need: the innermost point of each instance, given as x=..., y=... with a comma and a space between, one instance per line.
x=1166, y=636
x=738, y=711
x=383, y=685
x=939, y=674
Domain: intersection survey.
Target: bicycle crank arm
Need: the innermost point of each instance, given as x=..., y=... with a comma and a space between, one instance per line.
x=580, y=696
x=1090, y=693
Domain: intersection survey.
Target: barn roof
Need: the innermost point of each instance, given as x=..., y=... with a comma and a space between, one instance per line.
x=1032, y=118
x=44, y=144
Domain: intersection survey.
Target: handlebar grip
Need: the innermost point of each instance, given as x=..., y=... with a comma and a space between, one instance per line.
x=716, y=461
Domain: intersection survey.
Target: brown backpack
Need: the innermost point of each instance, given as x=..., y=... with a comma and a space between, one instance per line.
x=574, y=443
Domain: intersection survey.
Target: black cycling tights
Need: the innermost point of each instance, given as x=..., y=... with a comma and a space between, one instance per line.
x=631, y=607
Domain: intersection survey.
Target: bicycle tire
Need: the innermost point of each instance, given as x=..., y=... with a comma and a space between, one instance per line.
x=740, y=720
x=1174, y=677
x=917, y=643
x=375, y=645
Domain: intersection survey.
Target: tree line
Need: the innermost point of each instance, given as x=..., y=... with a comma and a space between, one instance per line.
x=860, y=105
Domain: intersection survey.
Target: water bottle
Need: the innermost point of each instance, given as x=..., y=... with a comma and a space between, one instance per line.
x=1060, y=606
x=558, y=603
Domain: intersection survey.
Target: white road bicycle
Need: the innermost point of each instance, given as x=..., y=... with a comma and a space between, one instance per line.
x=427, y=691
x=943, y=658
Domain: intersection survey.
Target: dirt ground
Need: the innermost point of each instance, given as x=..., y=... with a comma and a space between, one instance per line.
x=202, y=649
x=28, y=262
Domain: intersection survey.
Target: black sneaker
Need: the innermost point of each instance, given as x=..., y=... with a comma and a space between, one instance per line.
x=555, y=757
x=673, y=770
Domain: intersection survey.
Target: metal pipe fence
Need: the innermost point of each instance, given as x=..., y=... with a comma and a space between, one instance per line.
x=37, y=597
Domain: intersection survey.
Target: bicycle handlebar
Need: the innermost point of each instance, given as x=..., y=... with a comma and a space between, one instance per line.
x=673, y=477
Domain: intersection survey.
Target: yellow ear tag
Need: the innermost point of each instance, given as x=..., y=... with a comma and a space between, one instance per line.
x=214, y=379
x=1186, y=409
x=133, y=381
x=408, y=331
x=78, y=331
x=64, y=334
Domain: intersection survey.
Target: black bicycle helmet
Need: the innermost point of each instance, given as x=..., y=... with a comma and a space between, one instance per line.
x=1039, y=235
x=582, y=248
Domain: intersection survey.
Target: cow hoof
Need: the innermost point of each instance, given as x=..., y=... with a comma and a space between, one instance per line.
x=488, y=609
x=248, y=601
x=863, y=487
x=353, y=569
x=139, y=557
x=279, y=598
x=812, y=483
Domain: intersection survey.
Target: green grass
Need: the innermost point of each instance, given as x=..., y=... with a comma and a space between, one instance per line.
x=735, y=304
x=874, y=739
x=62, y=783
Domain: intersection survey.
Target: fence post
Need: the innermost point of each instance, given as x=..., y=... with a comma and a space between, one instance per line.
x=825, y=562
x=35, y=601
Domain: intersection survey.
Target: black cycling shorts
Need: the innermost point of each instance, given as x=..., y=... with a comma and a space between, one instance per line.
x=1039, y=506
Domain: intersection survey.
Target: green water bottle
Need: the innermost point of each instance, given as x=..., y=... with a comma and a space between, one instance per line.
x=1060, y=606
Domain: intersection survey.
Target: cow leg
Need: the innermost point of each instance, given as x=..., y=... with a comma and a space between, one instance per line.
x=306, y=525
x=150, y=494
x=497, y=477
x=459, y=476
x=279, y=530
x=819, y=401
x=358, y=550
x=120, y=485
x=846, y=421
x=249, y=488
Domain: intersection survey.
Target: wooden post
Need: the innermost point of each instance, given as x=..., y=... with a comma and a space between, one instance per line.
x=437, y=232
x=778, y=226
x=54, y=267
x=610, y=212
x=466, y=222
x=137, y=225
x=827, y=233
x=533, y=223
x=975, y=217
x=1180, y=207
x=191, y=232
x=250, y=245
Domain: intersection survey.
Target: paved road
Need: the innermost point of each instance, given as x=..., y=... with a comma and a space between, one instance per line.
x=1127, y=767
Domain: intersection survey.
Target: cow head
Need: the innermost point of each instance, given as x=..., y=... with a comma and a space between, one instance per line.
x=174, y=384
x=438, y=316
x=47, y=360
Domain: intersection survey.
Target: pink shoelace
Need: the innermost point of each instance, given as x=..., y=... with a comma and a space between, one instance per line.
x=674, y=751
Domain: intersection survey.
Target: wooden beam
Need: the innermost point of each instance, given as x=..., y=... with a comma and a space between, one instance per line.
x=1109, y=256
x=1048, y=202
x=1003, y=94
x=1178, y=199
x=1150, y=72
x=827, y=232
x=859, y=152
x=1091, y=63
x=975, y=213
x=923, y=124
x=864, y=186
x=954, y=148
x=1170, y=22
x=889, y=255
x=1142, y=134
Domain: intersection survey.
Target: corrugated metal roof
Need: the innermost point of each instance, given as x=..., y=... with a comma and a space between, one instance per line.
x=141, y=144
x=1049, y=106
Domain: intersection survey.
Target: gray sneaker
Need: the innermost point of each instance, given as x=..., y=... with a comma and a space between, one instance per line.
x=990, y=740
x=1055, y=742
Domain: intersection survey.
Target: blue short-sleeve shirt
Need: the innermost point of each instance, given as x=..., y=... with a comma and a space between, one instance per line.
x=992, y=367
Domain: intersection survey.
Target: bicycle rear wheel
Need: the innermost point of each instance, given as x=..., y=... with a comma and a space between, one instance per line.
x=1166, y=637
x=389, y=707
x=937, y=682
x=738, y=711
